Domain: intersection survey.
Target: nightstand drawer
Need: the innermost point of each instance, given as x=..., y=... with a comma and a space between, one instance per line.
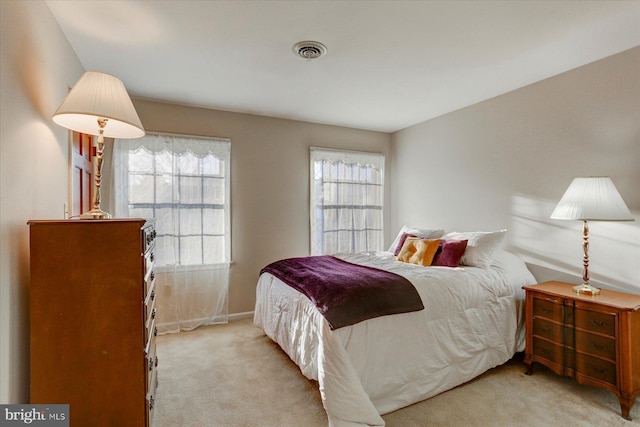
x=549, y=330
x=596, y=368
x=603, y=323
x=596, y=345
x=548, y=309
x=548, y=350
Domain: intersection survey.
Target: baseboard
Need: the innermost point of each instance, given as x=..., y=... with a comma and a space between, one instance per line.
x=238, y=316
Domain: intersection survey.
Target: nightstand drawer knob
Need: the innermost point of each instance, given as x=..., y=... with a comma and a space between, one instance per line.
x=597, y=346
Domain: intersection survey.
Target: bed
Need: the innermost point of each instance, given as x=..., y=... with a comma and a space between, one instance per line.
x=472, y=321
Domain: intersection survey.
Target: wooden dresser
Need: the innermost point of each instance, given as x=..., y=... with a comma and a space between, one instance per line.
x=92, y=303
x=592, y=338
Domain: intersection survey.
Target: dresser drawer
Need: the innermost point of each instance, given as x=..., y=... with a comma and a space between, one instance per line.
x=596, y=368
x=149, y=311
x=148, y=237
x=150, y=403
x=151, y=360
x=149, y=285
x=594, y=321
x=149, y=259
x=152, y=379
x=149, y=335
x=596, y=345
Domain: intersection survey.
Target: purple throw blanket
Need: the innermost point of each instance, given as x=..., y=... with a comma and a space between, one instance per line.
x=347, y=293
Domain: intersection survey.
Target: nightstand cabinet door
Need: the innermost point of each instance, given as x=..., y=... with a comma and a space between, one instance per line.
x=594, y=339
x=92, y=332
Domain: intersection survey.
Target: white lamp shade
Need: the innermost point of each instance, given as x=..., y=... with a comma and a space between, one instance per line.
x=592, y=199
x=99, y=96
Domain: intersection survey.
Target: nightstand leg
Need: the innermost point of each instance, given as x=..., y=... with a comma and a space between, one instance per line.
x=625, y=407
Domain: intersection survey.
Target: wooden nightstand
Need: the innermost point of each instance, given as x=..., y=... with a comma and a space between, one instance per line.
x=594, y=339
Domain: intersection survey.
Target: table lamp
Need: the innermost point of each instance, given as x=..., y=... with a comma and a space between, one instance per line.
x=99, y=105
x=591, y=199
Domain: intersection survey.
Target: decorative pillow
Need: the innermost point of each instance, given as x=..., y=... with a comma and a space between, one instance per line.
x=450, y=253
x=481, y=246
x=418, y=251
x=401, y=242
x=423, y=233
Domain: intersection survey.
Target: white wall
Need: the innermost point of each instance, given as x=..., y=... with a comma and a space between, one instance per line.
x=505, y=163
x=38, y=67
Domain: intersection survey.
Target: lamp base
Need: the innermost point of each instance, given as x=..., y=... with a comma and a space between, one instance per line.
x=586, y=289
x=95, y=213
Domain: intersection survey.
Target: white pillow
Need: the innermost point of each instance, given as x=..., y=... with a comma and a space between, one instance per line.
x=481, y=246
x=423, y=233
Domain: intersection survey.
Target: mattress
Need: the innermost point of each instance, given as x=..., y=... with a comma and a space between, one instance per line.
x=472, y=322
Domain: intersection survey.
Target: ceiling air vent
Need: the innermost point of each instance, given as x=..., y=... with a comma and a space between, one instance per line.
x=309, y=49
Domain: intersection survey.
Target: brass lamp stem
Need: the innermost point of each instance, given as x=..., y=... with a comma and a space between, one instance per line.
x=585, y=248
x=585, y=288
x=96, y=212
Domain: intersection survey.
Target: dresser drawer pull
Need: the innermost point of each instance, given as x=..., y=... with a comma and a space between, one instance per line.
x=545, y=330
x=546, y=310
x=153, y=313
x=597, y=323
x=153, y=275
x=152, y=257
x=153, y=295
x=156, y=361
x=151, y=365
x=598, y=370
x=155, y=331
x=151, y=403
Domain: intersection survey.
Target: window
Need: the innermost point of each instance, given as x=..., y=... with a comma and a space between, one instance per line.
x=182, y=182
x=347, y=201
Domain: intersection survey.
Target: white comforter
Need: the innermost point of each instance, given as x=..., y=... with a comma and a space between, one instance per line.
x=472, y=322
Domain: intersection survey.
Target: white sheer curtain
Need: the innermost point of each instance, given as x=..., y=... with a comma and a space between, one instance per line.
x=347, y=201
x=182, y=182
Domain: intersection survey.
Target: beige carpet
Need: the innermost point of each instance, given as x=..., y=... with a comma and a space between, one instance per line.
x=233, y=375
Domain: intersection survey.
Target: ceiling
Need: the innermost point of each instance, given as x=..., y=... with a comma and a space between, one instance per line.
x=389, y=65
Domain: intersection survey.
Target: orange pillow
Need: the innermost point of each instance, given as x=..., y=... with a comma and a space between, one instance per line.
x=418, y=251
